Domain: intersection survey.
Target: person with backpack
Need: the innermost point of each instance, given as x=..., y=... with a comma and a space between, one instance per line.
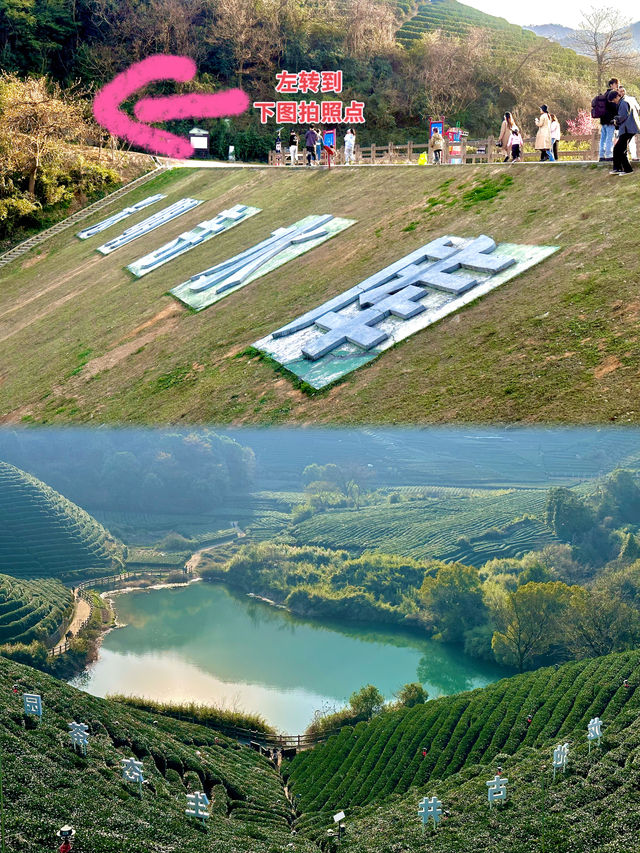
x=603, y=108
x=627, y=121
x=632, y=150
x=436, y=146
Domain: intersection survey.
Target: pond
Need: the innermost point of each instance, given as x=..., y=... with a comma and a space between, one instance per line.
x=202, y=643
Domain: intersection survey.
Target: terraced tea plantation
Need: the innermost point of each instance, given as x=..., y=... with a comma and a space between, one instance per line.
x=371, y=761
x=448, y=525
x=31, y=610
x=44, y=534
x=456, y=19
x=46, y=784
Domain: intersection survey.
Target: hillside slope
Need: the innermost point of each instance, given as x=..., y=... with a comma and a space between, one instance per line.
x=32, y=610
x=45, y=535
x=373, y=760
x=79, y=341
x=592, y=808
x=47, y=785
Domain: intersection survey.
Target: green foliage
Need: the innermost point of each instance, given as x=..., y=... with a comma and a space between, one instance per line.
x=366, y=702
x=412, y=694
x=453, y=600
x=193, y=712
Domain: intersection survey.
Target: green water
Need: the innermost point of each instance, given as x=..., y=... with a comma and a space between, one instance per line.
x=204, y=644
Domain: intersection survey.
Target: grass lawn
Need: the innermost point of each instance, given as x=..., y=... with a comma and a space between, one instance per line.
x=81, y=340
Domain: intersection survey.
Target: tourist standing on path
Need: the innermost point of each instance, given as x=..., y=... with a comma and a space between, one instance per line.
x=310, y=144
x=349, y=145
x=505, y=132
x=516, y=144
x=628, y=123
x=554, y=129
x=632, y=151
x=318, y=145
x=604, y=104
x=293, y=147
x=543, y=137
x=436, y=145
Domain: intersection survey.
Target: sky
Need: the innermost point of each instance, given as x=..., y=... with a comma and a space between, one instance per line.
x=567, y=13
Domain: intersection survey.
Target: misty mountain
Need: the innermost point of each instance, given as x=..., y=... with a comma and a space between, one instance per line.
x=564, y=35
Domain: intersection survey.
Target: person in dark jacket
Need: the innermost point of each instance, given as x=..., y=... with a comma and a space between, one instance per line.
x=628, y=123
x=607, y=129
x=310, y=140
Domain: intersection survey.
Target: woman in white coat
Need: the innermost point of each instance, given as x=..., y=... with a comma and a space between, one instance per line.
x=543, y=137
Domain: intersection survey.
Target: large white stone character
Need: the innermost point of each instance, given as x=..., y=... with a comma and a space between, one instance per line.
x=594, y=731
x=497, y=789
x=132, y=770
x=430, y=808
x=32, y=704
x=560, y=754
x=197, y=805
x=79, y=734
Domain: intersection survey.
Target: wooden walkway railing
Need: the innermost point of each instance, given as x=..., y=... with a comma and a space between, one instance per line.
x=473, y=151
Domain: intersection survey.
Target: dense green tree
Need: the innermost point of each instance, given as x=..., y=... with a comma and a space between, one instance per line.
x=528, y=622
x=366, y=702
x=453, y=600
x=412, y=694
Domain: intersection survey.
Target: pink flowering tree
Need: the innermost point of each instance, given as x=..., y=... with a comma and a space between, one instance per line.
x=582, y=125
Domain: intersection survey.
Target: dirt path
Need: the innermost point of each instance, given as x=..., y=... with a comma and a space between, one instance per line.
x=81, y=612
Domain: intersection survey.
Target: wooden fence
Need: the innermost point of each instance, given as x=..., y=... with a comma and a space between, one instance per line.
x=473, y=151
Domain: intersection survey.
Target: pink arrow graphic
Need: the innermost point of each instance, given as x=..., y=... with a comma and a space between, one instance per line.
x=107, y=103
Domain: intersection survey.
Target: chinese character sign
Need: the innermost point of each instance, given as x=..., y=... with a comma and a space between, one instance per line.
x=132, y=770
x=594, y=731
x=560, y=754
x=497, y=789
x=79, y=734
x=197, y=805
x=32, y=704
x=310, y=111
x=430, y=808
x=419, y=289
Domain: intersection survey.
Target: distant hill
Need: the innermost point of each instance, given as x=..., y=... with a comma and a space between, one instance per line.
x=456, y=19
x=42, y=534
x=564, y=35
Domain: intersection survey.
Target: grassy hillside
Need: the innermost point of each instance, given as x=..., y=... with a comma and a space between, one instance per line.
x=46, y=784
x=45, y=535
x=32, y=610
x=371, y=761
x=80, y=341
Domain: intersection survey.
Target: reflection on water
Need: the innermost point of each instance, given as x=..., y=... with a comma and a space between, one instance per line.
x=201, y=643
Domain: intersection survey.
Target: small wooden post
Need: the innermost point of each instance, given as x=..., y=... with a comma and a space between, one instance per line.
x=410, y=150
x=373, y=153
x=490, y=149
